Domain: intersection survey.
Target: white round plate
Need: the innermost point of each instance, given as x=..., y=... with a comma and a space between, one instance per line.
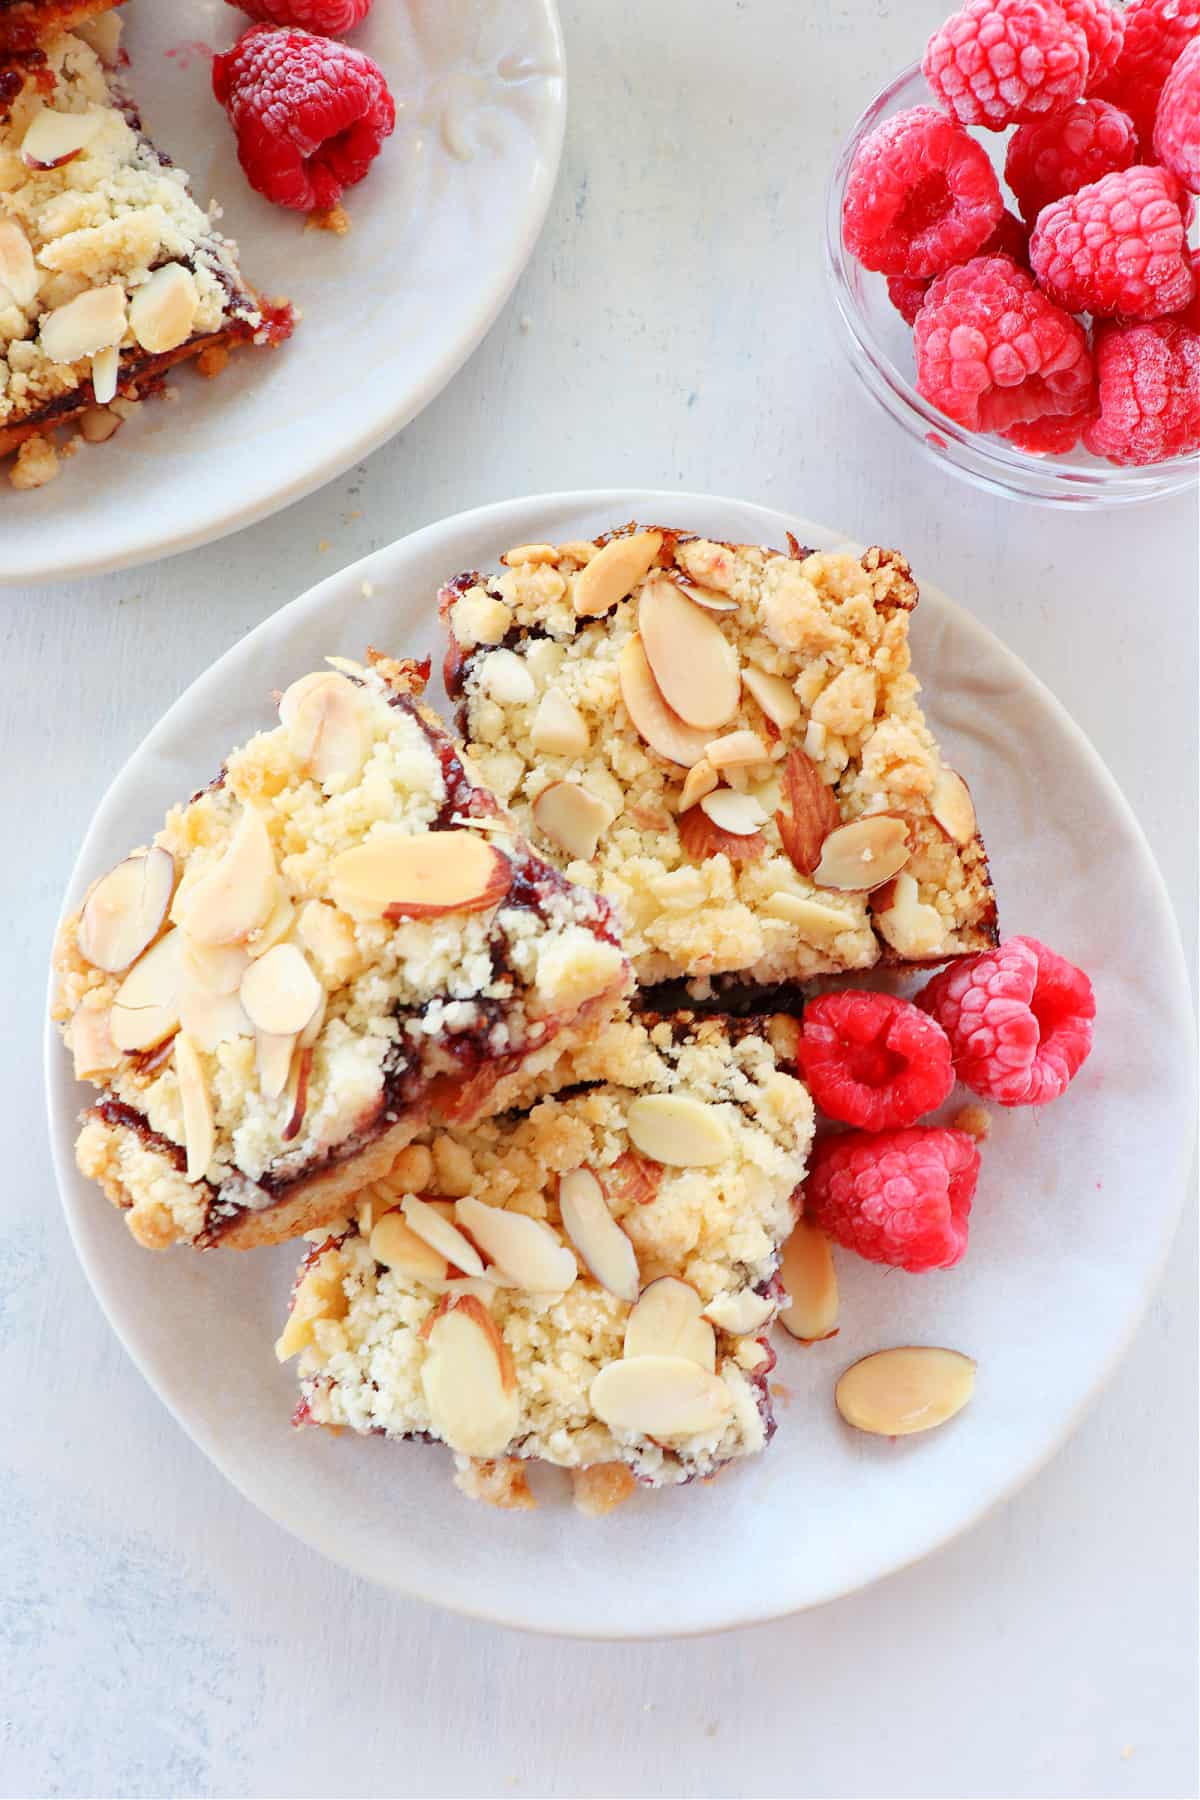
x=441, y=228
x=1075, y=1209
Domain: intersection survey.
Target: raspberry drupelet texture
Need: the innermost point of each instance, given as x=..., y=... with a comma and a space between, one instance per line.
x=921, y=195
x=1007, y=238
x=1177, y=122
x=1149, y=391
x=332, y=18
x=1059, y=155
x=873, y=1060
x=1156, y=34
x=1103, y=26
x=1019, y=1020
x=992, y=351
x=310, y=114
x=1117, y=246
x=1050, y=436
x=1000, y=62
x=897, y=1197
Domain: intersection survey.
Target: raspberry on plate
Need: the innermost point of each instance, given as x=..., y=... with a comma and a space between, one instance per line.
x=310, y=114
x=1156, y=33
x=921, y=195
x=992, y=351
x=1000, y=62
x=332, y=18
x=1007, y=238
x=897, y=1197
x=1119, y=245
x=873, y=1060
x=1019, y=1020
x=1059, y=155
x=1177, y=122
x=1149, y=376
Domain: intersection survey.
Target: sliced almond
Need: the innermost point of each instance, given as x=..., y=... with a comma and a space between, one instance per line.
x=273, y=1061
x=863, y=854
x=666, y=1398
x=677, y=1129
x=106, y=366
x=571, y=818
x=739, y=814
x=468, y=1380
x=701, y=837
x=91, y=1042
x=809, y=812
x=125, y=910
x=740, y=1314
x=210, y=1019
x=433, y=1224
x=667, y=1322
x=199, y=1132
x=18, y=271
x=909, y=924
x=526, y=1250
x=558, y=726
x=327, y=729
x=280, y=992
x=218, y=967
x=163, y=310
x=596, y=1235
x=737, y=749
x=146, y=1006
x=706, y=597
x=93, y=321
x=297, y=692
x=319, y=1295
x=614, y=571
x=693, y=663
x=396, y=874
x=275, y=927
x=952, y=806
x=775, y=696
x=895, y=1393
x=55, y=138
x=396, y=1245
x=529, y=553
x=810, y=1282
x=700, y=780
x=98, y=423
x=298, y=1080
x=820, y=923
x=503, y=677
x=662, y=729
x=239, y=893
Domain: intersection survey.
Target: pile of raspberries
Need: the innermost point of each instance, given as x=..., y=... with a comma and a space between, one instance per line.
x=1079, y=320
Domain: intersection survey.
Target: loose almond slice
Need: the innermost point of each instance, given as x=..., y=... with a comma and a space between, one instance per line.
x=90, y=1039
x=736, y=750
x=163, y=310
x=666, y=1398
x=810, y=1282
x=820, y=923
x=662, y=729
x=218, y=967
x=432, y=1224
x=530, y=1253
x=666, y=1322
x=280, y=992
x=18, y=271
x=693, y=663
x=94, y=320
x=571, y=818
x=898, y=1392
x=863, y=854
x=55, y=138
x=677, y=1129
x=397, y=874
x=125, y=910
x=326, y=728
x=614, y=571
x=199, y=1132
x=397, y=1246
x=739, y=814
x=146, y=1006
x=809, y=813
x=558, y=726
x=952, y=807
x=210, y=1019
x=741, y=1313
x=701, y=780
x=239, y=893
x=468, y=1380
x=273, y=1061
x=775, y=696
x=596, y=1235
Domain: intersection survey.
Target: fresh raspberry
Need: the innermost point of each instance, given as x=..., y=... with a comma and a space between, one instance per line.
x=898, y=1197
x=1008, y=238
x=999, y=62
x=872, y=1060
x=1117, y=246
x=907, y=294
x=332, y=18
x=1177, y=122
x=1059, y=155
x=309, y=114
x=1051, y=436
x=1156, y=32
x=921, y=195
x=992, y=351
x=1104, y=28
x=1019, y=1020
x=1149, y=391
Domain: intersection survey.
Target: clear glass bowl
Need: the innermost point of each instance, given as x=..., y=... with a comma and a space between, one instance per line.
x=879, y=345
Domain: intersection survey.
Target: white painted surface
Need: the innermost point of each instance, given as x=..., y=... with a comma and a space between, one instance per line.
x=159, y=1637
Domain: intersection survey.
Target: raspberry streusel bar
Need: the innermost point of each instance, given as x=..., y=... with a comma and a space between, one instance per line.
x=726, y=742
x=338, y=940
x=586, y=1284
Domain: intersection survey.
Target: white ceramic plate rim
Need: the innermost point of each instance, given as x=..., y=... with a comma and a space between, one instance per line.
x=511, y=520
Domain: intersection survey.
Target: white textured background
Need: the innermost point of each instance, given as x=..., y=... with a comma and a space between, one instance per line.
x=156, y=1636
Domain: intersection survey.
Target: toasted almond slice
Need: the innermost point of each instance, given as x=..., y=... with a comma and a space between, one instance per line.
x=596, y=1235
x=662, y=1397
x=94, y=320
x=693, y=663
x=810, y=1282
x=558, y=726
x=706, y=597
x=199, y=1132
x=662, y=729
x=238, y=894
x=327, y=729
x=952, y=806
x=741, y=1313
x=91, y=1042
x=701, y=837
x=774, y=695
x=125, y=910
x=468, y=1380
x=146, y=1006
x=106, y=366
x=863, y=854
x=614, y=571
x=529, y=553
x=909, y=924
x=163, y=310
x=218, y=967
x=433, y=1224
x=677, y=1129
x=737, y=749
x=737, y=813
x=701, y=779
x=396, y=1245
x=809, y=814
x=273, y=1061
x=397, y=874
x=895, y=1393
x=210, y=1019
x=820, y=923
x=571, y=818
x=528, y=1251
x=280, y=992
x=55, y=138
x=667, y=1322
x=18, y=271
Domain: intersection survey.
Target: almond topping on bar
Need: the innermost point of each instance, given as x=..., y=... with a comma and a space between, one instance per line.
x=895, y=1393
x=469, y=1381
x=677, y=1129
x=737, y=749
x=273, y=1060
x=908, y=923
x=952, y=806
x=661, y=1397
x=91, y=1043
x=18, y=271
x=320, y=1295
x=662, y=729
x=280, y=992
x=529, y=553
x=55, y=138
x=210, y=1019
x=596, y=1235
x=324, y=721
x=199, y=1132
x=739, y=814
x=125, y=910
x=821, y=923
x=701, y=779
x=863, y=854
x=558, y=726
x=398, y=875
x=106, y=367
x=809, y=812
x=146, y=1007
x=219, y=967
x=396, y=1245
x=706, y=597
x=571, y=818
x=701, y=837
x=238, y=894
x=810, y=1282
x=94, y=320
x=431, y=1224
x=775, y=696
x=527, y=1251
x=163, y=311
x=694, y=665
x=666, y=1322
x=740, y=1314
x=614, y=571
